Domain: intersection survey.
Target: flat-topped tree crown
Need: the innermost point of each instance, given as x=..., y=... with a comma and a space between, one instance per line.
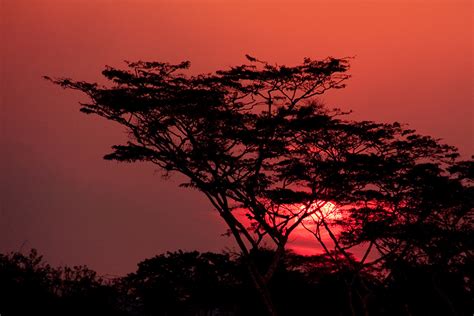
x=225, y=131
x=252, y=136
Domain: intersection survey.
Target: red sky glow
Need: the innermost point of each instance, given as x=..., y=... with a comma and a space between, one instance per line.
x=413, y=64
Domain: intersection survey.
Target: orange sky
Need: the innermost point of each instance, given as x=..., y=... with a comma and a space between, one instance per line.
x=413, y=64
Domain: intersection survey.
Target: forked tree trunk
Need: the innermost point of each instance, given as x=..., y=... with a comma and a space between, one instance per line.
x=259, y=281
x=262, y=289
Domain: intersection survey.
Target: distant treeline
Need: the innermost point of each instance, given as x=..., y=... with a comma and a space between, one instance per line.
x=214, y=284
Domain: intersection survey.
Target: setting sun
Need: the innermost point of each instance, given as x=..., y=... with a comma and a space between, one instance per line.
x=318, y=211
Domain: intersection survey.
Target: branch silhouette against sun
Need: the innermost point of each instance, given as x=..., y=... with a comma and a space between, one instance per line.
x=255, y=141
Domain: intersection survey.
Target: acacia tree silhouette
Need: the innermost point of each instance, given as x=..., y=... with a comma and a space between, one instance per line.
x=253, y=140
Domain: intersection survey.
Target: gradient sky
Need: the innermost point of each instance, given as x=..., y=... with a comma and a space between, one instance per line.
x=414, y=64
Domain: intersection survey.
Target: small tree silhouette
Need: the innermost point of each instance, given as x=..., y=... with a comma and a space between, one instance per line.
x=255, y=141
x=29, y=285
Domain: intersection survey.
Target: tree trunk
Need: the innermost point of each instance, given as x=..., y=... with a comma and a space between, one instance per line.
x=262, y=288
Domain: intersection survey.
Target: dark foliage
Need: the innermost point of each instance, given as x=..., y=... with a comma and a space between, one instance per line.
x=29, y=286
x=195, y=284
